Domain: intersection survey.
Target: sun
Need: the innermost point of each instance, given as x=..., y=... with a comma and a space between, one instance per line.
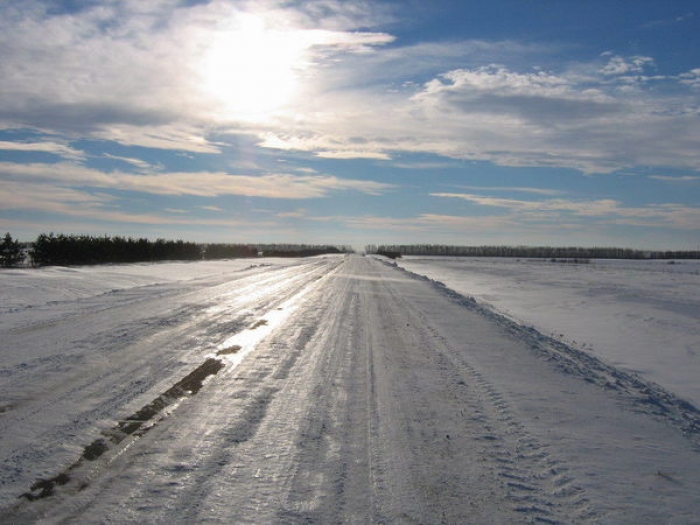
x=251, y=71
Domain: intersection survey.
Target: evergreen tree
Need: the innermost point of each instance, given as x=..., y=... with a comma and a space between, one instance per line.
x=11, y=253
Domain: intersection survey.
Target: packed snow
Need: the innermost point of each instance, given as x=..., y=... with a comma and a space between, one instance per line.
x=348, y=390
x=640, y=315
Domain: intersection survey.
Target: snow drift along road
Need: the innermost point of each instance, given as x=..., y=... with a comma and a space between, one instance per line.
x=381, y=397
x=640, y=315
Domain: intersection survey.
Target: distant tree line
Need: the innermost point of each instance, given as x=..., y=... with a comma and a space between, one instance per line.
x=300, y=250
x=63, y=249
x=229, y=251
x=51, y=249
x=544, y=252
x=225, y=251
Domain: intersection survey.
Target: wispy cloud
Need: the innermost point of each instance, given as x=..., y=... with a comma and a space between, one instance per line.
x=679, y=19
x=588, y=208
x=519, y=189
x=138, y=163
x=179, y=135
x=672, y=178
x=691, y=78
x=93, y=207
x=22, y=195
x=296, y=214
x=353, y=154
x=602, y=210
x=54, y=148
x=203, y=184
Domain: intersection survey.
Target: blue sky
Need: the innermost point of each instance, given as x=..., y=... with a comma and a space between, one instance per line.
x=543, y=122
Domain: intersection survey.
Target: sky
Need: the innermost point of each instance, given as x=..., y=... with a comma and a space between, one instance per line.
x=540, y=122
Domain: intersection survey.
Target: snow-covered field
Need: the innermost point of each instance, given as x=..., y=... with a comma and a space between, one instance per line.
x=347, y=390
x=643, y=316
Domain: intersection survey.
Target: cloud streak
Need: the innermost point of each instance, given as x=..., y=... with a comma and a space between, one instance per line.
x=54, y=148
x=202, y=184
x=670, y=178
x=608, y=211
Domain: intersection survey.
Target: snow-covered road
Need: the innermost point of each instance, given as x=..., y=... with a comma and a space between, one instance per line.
x=365, y=395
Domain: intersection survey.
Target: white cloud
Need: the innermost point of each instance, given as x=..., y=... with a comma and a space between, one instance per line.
x=138, y=163
x=343, y=16
x=49, y=198
x=67, y=173
x=353, y=154
x=691, y=78
x=273, y=186
x=619, y=66
x=55, y=148
x=520, y=189
x=670, y=178
x=126, y=64
x=511, y=118
x=607, y=211
x=93, y=207
x=176, y=136
x=296, y=214
x=203, y=184
x=588, y=208
x=132, y=72
x=497, y=80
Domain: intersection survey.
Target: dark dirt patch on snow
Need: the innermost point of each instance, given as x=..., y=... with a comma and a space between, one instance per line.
x=137, y=424
x=229, y=350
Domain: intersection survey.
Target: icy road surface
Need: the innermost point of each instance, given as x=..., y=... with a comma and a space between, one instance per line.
x=327, y=390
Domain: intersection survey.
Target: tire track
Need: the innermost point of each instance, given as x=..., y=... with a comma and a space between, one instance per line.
x=537, y=485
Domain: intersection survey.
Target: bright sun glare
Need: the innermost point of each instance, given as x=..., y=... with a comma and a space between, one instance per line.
x=252, y=71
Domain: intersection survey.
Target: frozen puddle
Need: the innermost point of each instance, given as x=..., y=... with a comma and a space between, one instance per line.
x=114, y=441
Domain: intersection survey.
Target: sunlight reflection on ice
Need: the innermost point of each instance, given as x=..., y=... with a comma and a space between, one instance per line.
x=249, y=338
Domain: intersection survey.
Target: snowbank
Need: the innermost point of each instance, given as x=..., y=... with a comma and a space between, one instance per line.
x=639, y=315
